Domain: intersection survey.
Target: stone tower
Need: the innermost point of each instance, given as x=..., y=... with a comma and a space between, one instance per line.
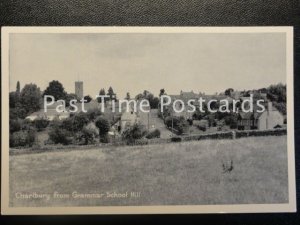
x=79, y=89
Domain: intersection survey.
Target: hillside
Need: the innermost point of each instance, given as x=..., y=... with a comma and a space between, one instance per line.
x=247, y=170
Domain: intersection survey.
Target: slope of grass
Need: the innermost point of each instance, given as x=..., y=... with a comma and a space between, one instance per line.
x=173, y=174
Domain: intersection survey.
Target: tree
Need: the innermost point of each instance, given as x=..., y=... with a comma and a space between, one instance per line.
x=139, y=97
x=277, y=92
x=127, y=96
x=178, y=123
x=30, y=98
x=228, y=91
x=154, y=103
x=111, y=93
x=103, y=125
x=79, y=121
x=70, y=97
x=56, y=89
x=12, y=99
x=101, y=92
x=18, y=90
x=87, y=98
x=146, y=93
x=162, y=92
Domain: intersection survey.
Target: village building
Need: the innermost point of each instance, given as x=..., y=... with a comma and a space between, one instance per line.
x=269, y=119
x=92, y=105
x=127, y=119
x=186, y=96
x=51, y=113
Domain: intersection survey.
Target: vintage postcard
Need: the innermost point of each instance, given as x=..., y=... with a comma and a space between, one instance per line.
x=145, y=120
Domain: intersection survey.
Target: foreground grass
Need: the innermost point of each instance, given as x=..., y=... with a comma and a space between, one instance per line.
x=178, y=173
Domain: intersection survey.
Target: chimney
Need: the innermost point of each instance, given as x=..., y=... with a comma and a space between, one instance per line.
x=270, y=107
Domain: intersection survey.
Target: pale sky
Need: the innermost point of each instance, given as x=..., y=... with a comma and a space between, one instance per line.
x=136, y=62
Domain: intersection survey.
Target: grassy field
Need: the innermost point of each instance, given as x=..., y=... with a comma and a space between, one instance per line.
x=177, y=173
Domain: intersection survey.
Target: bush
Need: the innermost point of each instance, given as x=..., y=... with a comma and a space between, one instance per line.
x=153, y=134
x=133, y=133
x=73, y=124
x=59, y=135
x=41, y=124
x=178, y=123
x=176, y=139
x=232, y=121
x=67, y=124
x=27, y=125
x=104, y=139
x=202, y=127
x=15, y=125
x=22, y=139
x=79, y=121
x=87, y=135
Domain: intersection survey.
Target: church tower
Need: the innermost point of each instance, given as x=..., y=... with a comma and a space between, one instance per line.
x=79, y=89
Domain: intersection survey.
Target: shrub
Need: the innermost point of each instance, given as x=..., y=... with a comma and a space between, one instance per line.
x=176, y=139
x=60, y=136
x=202, y=127
x=15, y=125
x=22, y=139
x=67, y=124
x=41, y=124
x=27, y=125
x=153, y=134
x=104, y=139
x=87, y=135
x=178, y=123
x=133, y=133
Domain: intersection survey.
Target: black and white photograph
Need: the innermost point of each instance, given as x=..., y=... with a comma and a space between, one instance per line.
x=118, y=120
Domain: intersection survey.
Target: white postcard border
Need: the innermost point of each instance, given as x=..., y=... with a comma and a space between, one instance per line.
x=191, y=209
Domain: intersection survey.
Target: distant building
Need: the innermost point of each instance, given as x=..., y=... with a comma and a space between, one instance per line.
x=269, y=119
x=51, y=113
x=127, y=119
x=92, y=105
x=79, y=89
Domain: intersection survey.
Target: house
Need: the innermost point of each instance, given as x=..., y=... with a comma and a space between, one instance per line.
x=51, y=113
x=186, y=96
x=93, y=104
x=235, y=95
x=269, y=119
x=127, y=119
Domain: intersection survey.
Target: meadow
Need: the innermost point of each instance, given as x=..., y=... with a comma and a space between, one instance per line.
x=243, y=171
